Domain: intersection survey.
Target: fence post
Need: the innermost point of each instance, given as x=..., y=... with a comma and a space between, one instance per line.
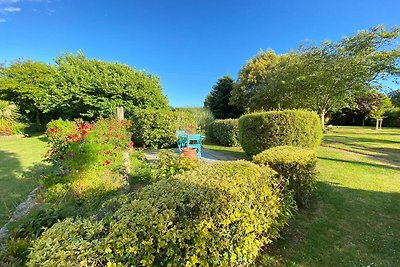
x=120, y=113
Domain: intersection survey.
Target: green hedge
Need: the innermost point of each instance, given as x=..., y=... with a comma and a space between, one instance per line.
x=224, y=132
x=156, y=128
x=263, y=130
x=219, y=214
x=295, y=166
x=392, y=118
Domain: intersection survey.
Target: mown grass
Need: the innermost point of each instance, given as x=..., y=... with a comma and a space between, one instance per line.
x=16, y=156
x=353, y=217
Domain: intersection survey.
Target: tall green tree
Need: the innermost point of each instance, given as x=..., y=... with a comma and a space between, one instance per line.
x=91, y=88
x=395, y=97
x=218, y=100
x=28, y=84
x=321, y=78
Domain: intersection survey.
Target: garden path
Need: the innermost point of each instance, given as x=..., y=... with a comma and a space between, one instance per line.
x=208, y=155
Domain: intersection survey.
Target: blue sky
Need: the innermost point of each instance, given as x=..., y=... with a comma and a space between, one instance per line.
x=189, y=44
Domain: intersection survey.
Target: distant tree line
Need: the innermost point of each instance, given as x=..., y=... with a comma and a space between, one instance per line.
x=75, y=86
x=325, y=78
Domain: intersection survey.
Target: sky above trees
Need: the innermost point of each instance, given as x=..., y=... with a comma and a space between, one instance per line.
x=188, y=44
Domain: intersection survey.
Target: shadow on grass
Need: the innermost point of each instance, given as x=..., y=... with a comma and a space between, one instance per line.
x=341, y=227
x=362, y=163
x=15, y=183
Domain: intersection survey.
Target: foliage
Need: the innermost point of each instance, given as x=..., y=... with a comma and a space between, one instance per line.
x=224, y=132
x=379, y=109
x=156, y=128
x=30, y=85
x=219, y=215
x=368, y=103
x=202, y=116
x=295, y=166
x=14, y=252
x=91, y=88
x=321, y=78
x=90, y=156
x=8, y=117
x=395, y=97
x=169, y=165
x=263, y=130
x=218, y=100
x=392, y=117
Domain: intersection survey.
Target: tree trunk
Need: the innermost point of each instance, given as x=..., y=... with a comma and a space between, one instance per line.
x=363, y=121
x=37, y=116
x=322, y=114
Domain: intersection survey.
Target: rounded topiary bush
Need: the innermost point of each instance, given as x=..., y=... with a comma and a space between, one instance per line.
x=262, y=130
x=216, y=215
x=224, y=132
x=295, y=166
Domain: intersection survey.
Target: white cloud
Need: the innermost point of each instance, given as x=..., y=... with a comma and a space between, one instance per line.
x=10, y=9
x=2, y=20
x=9, y=1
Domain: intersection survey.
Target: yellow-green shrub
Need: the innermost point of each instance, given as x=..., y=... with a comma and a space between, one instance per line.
x=219, y=214
x=295, y=166
x=224, y=132
x=262, y=130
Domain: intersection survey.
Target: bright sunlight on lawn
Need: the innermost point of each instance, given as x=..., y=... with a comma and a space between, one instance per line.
x=17, y=154
x=353, y=217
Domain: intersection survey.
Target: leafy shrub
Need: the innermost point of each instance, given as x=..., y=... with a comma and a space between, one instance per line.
x=392, y=118
x=90, y=156
x=295, y=166
x=156, y=128
x=8, y=117
x=169, y=165
x=224, y=132
x=263, y=130
x=218, y=214
x=14, y=252
x=202, y=116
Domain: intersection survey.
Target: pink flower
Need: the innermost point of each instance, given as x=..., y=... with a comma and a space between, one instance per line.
x=131, y=144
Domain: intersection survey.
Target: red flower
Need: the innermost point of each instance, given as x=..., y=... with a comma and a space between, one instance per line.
x=131, y=144
x=84, y=132
x=52, y=130
x=108, y=152
x=61, y=157
x=107, y=162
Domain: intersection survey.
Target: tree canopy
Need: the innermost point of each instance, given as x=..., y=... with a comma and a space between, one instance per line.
x=218, y=100
x=76, y=86
x=319, y=77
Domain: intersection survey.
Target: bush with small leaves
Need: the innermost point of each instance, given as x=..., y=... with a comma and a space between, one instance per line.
x=295, y=166
x=262, y=130
x=224, y=132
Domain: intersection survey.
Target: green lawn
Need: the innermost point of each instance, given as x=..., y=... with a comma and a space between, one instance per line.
x=16, y=156
x=383, y=143
x=353, y=217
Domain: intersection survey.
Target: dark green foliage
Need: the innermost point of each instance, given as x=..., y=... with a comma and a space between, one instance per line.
x=218, y=100
x=14, y=252
x=224, y=132
x=395, y=97
x=263, y=130
x=156, y=128
x=295, y=166
x=217, y=215
x=392, y=118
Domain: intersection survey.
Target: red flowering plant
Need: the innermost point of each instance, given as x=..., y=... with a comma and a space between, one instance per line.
x=90, y=153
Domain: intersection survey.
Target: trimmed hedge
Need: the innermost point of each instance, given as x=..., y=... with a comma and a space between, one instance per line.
x=224, y=132
x=156, y=128
x=262, y=130
x=295, y=166
x=219, y=214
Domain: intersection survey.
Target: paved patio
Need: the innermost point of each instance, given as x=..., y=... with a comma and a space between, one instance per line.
x=209, y=156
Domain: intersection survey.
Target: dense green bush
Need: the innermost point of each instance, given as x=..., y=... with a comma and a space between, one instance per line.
x=392, y=118
x=8, y=117
x=202, y=116
x=224, y=132
x=156, y=128
x=262, y=130
x=295, y=166
x=216, y=215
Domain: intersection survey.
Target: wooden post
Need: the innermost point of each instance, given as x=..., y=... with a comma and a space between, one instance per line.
x=120, y=113
x=379, y=124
